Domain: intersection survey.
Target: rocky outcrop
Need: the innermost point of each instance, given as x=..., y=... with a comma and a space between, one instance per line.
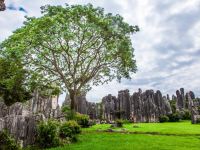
x=110, y=106
x=2, y=5
x=140, y=107
x=148, y=106
x=194, y=107
x=20, y=119
x=47, y=105
x=92, y=110
x=124, y=104
x=180, y=99
x=83, y=106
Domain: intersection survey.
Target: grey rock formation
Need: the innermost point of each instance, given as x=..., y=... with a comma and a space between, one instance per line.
x=140, y=107
x=124, y=104
x=83, y=106
x=21, y=127
x=20, y=119
x=168, y=98
x=193, y=106
x=92, y=110
x=2, y=5
x=46, y=105
x=180, y=99
x=110, y=105
x=148, y=106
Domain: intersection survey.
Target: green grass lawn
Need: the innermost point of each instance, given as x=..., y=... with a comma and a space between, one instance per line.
x=184, y=127
x=186, y=138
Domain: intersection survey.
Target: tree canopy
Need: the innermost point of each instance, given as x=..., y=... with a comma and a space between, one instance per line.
x=75, y=47
x=13, y=81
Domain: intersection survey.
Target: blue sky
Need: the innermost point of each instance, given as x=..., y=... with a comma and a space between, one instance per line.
x=167, y=48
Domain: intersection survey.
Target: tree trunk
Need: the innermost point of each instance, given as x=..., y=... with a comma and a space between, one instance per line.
x=72, y=96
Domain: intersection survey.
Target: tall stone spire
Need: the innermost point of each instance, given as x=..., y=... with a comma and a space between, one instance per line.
x=2, y=5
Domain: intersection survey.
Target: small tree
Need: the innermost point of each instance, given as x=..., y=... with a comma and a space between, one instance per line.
x=13, y=81
x=78, y=46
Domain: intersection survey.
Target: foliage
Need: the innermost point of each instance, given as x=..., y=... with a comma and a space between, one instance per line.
x=198, y=121
x=69, y=114
x=174, y=117
x=82, y=120
x=31, y=147
x=47, y=134
x=17, y=83
x=173, y=105
x=119, y=113
x=92, y=122
x=13, y=81
x=163, y=118
x=70, y=129
x=198, y=108
x=119, y=123
x=80, y=46
x=73, y=125
x=7, y=142
x=126, y=121
x=186, y=115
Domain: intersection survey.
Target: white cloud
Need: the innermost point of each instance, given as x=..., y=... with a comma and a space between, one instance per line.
x=166, y=48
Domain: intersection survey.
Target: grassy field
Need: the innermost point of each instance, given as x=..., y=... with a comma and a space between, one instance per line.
x=184, y=127
x=184, y=136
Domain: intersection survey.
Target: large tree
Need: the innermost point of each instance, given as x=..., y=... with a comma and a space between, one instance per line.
x=77, y=46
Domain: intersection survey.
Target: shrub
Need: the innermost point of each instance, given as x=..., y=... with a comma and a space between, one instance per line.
x=186, y=115
x=198, y=108
x=92, y=122
x=126, y=121
x=69, y=114
x=7, y=142
x=31, y=147
x=174, y=117
x=173, y=105
x=47, y=134
x=69, y=129
x=163, y=118
x=119, y=123
x=82, y=120
x=198, y=121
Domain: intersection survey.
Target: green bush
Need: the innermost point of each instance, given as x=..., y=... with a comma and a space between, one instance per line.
x=31, y=147
x=92, y=122
x=69, y=129
x=198, y=108
x=82, y=120
x=47, y=134
x=119, y=123
x=7, y=142
x=173, y=105
x=163, y=118
x=126, y=121
x=186, y=115
x=69, y=114
x=174, y=117
x=198, y=121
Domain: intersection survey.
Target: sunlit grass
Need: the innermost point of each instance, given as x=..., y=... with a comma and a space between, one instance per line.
x=184, y=127
x=177, y=136
x=119, y=141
